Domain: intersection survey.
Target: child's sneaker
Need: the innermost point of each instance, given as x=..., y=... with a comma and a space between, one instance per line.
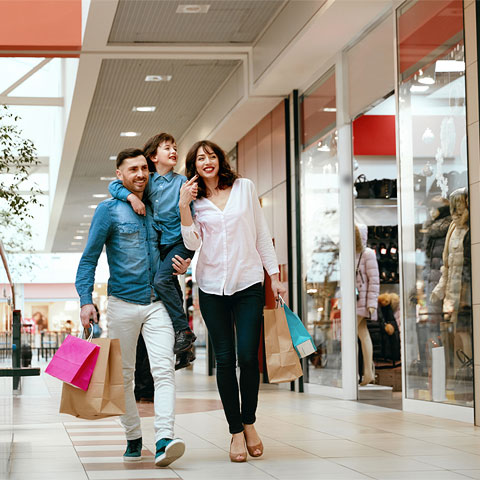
x=184, y=359
x=133, y=453
x=183, y=340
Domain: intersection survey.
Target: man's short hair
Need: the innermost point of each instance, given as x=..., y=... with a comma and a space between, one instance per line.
x=128, y=153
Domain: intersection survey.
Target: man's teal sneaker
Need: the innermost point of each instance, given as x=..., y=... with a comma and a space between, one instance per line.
x=133, y=453
x=168, y=450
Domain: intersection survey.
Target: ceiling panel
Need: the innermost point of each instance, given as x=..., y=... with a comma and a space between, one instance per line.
x=120, y=87
x=226, y=21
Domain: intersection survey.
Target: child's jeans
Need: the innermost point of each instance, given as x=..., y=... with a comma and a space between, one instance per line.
x=167, y=286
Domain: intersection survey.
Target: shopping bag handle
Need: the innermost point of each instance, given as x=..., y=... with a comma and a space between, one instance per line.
x=86, y=334
x=280, y=301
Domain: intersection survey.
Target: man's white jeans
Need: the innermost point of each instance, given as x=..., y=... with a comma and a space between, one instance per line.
x=125, y=321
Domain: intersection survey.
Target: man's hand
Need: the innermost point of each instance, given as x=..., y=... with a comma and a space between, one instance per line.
x=88, y=313
x=180, y=265
x=137, y=205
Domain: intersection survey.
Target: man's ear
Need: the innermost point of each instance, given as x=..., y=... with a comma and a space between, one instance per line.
x=119, y=174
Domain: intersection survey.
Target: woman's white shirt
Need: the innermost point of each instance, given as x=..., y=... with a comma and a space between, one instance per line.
x=235, y=243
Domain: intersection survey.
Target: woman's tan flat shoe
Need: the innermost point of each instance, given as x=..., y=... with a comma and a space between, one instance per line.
x=237, y=457
x=254, y=448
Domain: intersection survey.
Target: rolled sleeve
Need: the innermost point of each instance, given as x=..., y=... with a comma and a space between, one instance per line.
x=191, y=236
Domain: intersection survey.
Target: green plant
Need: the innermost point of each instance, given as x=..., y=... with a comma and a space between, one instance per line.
x=17, y=157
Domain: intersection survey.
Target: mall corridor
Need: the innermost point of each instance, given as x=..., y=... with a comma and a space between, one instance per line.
x=306, y=436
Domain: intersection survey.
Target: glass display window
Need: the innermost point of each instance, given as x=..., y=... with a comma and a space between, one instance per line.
x=320, y=232
x=434, y=203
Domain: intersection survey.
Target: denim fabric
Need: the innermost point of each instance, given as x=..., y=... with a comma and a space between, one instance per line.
x=167, y=286
x=132, y=251
x=163, y=193
x=223, y=315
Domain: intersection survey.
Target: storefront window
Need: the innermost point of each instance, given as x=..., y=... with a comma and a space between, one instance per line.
x=321, y=232
x=434, y=203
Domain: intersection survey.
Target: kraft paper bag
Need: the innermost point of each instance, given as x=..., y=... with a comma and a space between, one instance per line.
x=74, y=362
x=105, y=396
x=282, y=360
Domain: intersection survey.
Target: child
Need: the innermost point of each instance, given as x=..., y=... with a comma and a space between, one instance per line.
x=163, y=192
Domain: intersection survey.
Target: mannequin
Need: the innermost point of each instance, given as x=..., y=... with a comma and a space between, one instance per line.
x=368, y=288
x=453, y=288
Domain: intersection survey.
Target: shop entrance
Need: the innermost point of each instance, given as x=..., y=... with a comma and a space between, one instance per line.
x=376, y=256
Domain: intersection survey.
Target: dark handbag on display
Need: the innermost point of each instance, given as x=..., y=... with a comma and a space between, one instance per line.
x=385, y=188
x=363, y=187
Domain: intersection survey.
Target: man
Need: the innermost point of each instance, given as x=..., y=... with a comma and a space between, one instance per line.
x=133, y=306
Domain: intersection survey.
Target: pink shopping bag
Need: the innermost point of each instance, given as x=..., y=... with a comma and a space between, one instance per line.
x=74, y=362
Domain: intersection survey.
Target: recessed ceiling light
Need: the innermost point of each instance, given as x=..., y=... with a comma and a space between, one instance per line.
x=192, y=8
x=78, y=237
x=426, y=80
x=99, y=195
x=82, y=231
x=112, y=157
x=445, y=66
x=75, y=243
x=144, y=109
x=108, y=179
x=130, y=134
x=419, y=88
x=92, y=206
x=84, y=224
x=158, y=78
x=329, y=109
x=87, y=215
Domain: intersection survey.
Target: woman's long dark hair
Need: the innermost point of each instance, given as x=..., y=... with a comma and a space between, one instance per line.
x=226, y=176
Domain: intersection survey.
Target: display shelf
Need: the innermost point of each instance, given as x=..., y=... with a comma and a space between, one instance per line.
x=376, y=202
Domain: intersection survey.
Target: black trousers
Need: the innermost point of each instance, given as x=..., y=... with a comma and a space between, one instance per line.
x=224, y=315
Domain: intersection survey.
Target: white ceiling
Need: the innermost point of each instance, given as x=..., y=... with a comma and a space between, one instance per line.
x=229, y=66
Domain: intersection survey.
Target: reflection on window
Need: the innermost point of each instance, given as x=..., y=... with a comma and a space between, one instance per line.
x=436, y=236
x=320, y=238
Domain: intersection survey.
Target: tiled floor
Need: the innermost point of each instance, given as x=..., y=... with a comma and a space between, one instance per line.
x=306, y=437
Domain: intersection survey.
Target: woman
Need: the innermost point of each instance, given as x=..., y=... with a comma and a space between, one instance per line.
x=235, y=247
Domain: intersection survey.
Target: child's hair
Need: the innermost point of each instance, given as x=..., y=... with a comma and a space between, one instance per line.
x=150, y=148
x=226, y=176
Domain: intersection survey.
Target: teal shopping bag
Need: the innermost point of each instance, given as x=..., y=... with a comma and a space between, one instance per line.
x=301, y=339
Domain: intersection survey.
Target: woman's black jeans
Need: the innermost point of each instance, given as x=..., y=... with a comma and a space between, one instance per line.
x=224, y=314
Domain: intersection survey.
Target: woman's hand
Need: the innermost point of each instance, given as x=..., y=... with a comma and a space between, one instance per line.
x=277, y=286
x=188, y=192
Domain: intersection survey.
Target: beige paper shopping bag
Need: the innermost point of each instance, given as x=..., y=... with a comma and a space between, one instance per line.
x=283, y=364
x=105, y=396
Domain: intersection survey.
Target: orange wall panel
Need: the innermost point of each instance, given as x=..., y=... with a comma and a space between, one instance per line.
x=41, y=25
x=264, y=155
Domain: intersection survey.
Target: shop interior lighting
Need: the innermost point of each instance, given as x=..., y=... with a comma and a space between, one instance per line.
x=158, y=78
x=426, y=80
x=144, y=109
x=419, y=88
x=323, y=148
x=447, y=66
x=108, y=179
x=78, y=237
x=192, y=8
x=99, y=195
x=112, y=157
x=130, y=134
x=330, y=109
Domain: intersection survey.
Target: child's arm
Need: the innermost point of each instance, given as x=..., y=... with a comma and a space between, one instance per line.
x=117, y=190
